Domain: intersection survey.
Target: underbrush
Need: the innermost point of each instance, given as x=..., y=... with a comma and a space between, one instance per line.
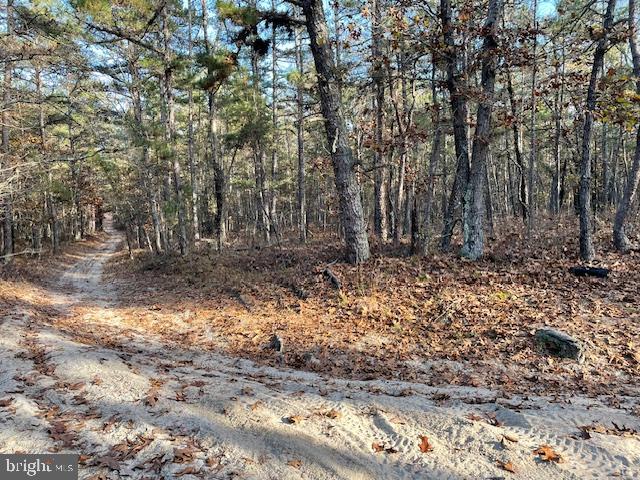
x=439, y=318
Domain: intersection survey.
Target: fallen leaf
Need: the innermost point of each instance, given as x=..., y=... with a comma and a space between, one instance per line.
x=379, y=447
x=508, y=466
x=293, y=419
x=183, y=455
x=295, y=463
x=5, y=402
x=424, y=445
x=510, y=437
x=547, y=454
x=333, y=413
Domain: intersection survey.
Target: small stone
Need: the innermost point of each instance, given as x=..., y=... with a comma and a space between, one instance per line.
x=276, y=343
x=559, y=344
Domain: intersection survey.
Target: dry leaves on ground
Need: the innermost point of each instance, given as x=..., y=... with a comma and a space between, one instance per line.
x=293, y=419
x=547, y=454
x=424, y=445
x=508, y=466
x=379, y=447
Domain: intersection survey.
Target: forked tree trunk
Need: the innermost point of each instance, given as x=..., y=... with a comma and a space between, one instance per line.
x=587, y=252
x=620, y=239
x=351, y=212
x=474, y=199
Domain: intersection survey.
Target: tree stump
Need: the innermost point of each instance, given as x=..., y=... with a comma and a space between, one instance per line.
x=559, y=344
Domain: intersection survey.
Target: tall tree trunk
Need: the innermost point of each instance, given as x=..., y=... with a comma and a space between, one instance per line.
x=52, y=213
x=262, y=218
x=474, y=199
x=380, y=221
x=533, y=153
x=170, y=132
x=7, y=209
x=351, y=212
x=558, y=101
x=219, y=175
x=456, y=86
x=620, y=239
x=423, y=205
x=301, y=193
x=273, y=192
x=193, y=169
x=146, y=173
x=523, y=200
x=587, y=252
x=402, y=113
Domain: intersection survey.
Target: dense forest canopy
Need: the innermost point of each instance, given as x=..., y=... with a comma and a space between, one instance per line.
x=258, y=121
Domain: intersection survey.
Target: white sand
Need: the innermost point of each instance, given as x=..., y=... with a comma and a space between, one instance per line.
x=226, y=418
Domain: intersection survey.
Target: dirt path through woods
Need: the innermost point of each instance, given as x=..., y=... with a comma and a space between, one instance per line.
x=77, y=379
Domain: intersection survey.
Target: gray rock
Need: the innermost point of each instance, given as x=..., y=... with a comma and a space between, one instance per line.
x=276, y=343
x=559, y=344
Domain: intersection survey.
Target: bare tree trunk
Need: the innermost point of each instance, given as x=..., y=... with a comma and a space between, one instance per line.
x=51, y=206
x=523, y=199
x=557, y=135
x=423, y=206
x=193, y=169
x=170, y=132
x=351, y=213
x=587, y=252
x=533, y=153
x=7, y=210
x=474, y=206
x=456, y=86
x=620, y=239
x=145, y=164
x=273, y=213
x=219, y=175
x=301, y=193
x=380, y=220
x=262, y=218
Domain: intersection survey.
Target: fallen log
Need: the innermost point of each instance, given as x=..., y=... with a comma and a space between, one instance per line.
x=590, y=271
x=559, y=344
x=335, y=281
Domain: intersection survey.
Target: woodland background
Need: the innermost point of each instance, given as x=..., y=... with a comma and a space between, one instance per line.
x=261, y=122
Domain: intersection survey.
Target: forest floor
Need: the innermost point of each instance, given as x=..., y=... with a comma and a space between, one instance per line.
x=416, y=368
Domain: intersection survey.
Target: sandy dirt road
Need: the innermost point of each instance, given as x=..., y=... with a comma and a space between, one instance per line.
x=135, y=406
